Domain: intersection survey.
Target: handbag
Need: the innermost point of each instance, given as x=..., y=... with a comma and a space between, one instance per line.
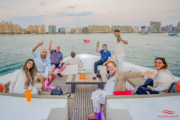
x=128, y=92
x=56, y=91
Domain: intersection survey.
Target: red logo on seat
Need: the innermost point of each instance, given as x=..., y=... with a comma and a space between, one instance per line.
x=168, y=112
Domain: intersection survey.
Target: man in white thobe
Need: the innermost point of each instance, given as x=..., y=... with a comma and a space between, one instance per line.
x=118, y=55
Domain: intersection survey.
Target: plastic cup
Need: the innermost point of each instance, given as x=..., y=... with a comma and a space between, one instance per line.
x=83, y=75
x=28, y=95
x=80, y=76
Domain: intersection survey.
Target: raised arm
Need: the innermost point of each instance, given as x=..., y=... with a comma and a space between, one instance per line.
x=49, y=48
x=35, y=47
x=97, y=48
x=123, y=40
x=127, y=75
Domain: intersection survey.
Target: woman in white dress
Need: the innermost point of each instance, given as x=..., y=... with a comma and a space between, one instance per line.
x=116, y=82
x=24, y=79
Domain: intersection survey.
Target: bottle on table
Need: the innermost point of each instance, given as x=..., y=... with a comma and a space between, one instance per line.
x=83, y=76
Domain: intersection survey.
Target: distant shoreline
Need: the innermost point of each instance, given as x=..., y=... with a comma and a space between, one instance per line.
x=72, y=34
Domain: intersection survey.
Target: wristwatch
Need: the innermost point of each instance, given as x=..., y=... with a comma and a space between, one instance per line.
x=50, y=74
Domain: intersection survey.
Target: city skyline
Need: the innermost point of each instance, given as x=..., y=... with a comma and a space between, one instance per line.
x=90, y=12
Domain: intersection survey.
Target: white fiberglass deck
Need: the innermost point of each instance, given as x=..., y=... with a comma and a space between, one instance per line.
x=17, y=108
x=88, y=64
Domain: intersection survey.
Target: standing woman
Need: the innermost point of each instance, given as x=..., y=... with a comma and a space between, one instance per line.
x=162, y=80
x=116, y=82
x=23, y=79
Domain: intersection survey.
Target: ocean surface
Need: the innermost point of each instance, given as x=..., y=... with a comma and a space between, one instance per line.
x=141, y=50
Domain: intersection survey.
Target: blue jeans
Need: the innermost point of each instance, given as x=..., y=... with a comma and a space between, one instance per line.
x=143, y=89
x=100, y=62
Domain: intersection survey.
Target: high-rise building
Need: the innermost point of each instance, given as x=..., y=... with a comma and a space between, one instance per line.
x=178, y=26
x=62, y=30
x=163, y=29
x=167, y=28
x=170, y=28
x=156, y=25
x=85, y=30
x=39, y=29
x=98, y=28
x=78, y=29
x=52, y=28
x=67, y=30
x=71, y=30
x=174, y=28
x=123, y=29
x=6, y=27
x=74, y=30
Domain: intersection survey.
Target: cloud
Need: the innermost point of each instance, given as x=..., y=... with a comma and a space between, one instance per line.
x=175, y=11
x=27, y=20
x=74, y=14
x=108, y=12
x=42, y=4
x=70, y=7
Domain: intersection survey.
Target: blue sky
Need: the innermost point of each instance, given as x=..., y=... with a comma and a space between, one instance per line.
x=73, y=13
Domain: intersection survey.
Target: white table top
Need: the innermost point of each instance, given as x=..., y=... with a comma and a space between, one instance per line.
x=17, y=108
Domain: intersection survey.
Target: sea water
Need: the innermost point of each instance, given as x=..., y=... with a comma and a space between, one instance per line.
x=140, y=50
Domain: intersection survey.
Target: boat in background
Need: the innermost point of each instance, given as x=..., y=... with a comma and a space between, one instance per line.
x=173, y=34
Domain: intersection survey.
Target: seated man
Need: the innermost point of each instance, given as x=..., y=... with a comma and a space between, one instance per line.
x=105, y=56
x=42, y=61
x=56, y=59
x=74, y=61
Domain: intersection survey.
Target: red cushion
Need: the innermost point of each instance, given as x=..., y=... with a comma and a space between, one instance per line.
x=128, y=92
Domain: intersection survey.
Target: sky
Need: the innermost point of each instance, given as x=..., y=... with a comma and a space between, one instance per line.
x=80, y=13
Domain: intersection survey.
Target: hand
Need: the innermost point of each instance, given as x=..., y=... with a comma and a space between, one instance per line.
x=59, y=65
x=96, y=44
x=40, y=43
x=50, y=42
x=148, y=73
x=104, y=64
x=149, y=87
x=50, y=77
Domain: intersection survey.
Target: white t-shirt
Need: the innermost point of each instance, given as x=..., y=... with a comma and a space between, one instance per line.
x=74, y=61
x=119, y=48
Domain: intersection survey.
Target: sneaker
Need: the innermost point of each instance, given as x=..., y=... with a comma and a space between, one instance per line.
x=59, y=75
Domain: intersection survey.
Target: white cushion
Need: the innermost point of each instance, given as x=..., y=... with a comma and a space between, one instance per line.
x=70, y=69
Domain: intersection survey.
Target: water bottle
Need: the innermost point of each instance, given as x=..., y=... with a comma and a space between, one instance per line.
x=98, y=44
x=119, y=38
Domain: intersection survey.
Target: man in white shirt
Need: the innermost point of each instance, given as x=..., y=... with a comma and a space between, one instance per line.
x=119, y=50
x=74, y=61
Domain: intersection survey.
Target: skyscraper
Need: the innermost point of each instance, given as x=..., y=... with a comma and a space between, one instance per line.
x=167, y=28
x=178, y=26
x=62, y=30
x=156, y=26
x=52, y=28
x=170, y=28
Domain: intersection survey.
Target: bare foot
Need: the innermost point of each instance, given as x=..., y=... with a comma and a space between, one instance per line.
x=92, y=117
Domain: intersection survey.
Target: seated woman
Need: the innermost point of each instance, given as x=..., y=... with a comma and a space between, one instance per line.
x=24, y=78
x=116, y=82
x=162, y=80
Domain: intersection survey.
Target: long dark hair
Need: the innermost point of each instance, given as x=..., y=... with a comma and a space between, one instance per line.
x=33, y=72
x=164, y=62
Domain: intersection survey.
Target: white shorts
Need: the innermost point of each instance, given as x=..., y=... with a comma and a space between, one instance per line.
x=43, y=74
x=119, y=61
